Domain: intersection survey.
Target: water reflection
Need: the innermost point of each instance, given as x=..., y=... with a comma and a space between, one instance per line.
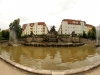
x=52, y=58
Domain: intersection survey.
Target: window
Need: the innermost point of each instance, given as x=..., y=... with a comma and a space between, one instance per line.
x=76, y=22
x=73, y=21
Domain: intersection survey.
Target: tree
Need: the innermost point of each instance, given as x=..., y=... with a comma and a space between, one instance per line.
x=92, y=33
x=4, y=35
x=89, y=34
x=16, y=27
x=84, y=34
x=93, y=30
x=80, y=35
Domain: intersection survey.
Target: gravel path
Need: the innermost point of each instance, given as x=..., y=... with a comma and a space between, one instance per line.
x=7, y=69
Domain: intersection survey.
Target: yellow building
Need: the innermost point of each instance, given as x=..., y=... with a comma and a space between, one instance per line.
x=38, y=28
x=89, y=27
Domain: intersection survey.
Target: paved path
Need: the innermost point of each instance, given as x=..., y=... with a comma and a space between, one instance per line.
x=7, y=69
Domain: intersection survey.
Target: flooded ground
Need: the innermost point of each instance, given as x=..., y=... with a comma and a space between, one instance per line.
x=52, y=58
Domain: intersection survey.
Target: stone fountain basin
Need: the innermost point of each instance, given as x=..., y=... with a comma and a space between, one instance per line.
x=53, y=44
x=97, y=45
x=50, y=72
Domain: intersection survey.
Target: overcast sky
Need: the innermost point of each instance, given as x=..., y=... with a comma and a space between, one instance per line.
x=49, y=11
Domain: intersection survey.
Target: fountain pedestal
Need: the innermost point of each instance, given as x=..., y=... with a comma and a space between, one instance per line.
x=52, y=36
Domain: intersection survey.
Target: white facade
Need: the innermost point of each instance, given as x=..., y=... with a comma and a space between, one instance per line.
x=68, y=26
x=38, y=28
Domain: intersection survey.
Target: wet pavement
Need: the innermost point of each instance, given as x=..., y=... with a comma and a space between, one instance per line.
x=7, y=69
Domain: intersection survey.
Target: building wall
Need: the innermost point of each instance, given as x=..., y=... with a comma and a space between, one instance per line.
x=28, y=29
x=68, y=26
x=89, y=27
x=37, y=28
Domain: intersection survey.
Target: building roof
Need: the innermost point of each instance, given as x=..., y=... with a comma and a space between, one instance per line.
x=89, y=25
x=72, y=21
x=24, y=26
x=31, y=24
x=41, y=23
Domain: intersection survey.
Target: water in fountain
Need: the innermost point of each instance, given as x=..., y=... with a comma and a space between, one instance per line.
x=12, y=37
x=97, y=34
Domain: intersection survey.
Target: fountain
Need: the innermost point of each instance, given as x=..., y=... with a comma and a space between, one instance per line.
x=52, y=36
x=53, y=39
x=97, y=36
x=53, y=55
x=12, y=38
x=49, y=61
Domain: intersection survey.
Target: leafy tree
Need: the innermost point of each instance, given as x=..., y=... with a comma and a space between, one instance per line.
x=16, y=27
x=92, y=33
x=94, y=29
x=24, y=36
x=84, y=34
x=80, y=35
x=89, y=34
x=1, y=38
x=4, y=35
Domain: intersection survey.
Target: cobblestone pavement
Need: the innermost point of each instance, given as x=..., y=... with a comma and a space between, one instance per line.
x=7, y=69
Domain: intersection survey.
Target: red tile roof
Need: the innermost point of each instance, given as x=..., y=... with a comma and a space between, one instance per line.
x=88, y=25
x=31, y=24
x=75, y=22
x=41, y=23
x=24, y=26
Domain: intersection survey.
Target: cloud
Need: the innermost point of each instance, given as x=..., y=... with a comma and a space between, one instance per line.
x=4, y=25
x=63, y=6
x=0, y=1
x=50, y=11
